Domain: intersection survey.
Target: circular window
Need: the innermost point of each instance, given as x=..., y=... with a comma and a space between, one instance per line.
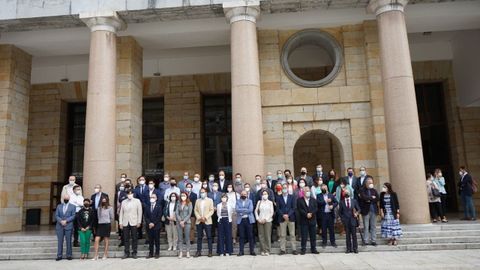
x=311, y=58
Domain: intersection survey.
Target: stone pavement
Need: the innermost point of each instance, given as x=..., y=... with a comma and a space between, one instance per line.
x=444, y=259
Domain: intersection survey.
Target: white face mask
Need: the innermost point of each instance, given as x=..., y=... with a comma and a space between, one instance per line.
x=247, y=189
x=153, y=200
x=264, y=197
x=224, y=199
x=78, y=192
x=71, y=182
x=460, y=173
x=141, y=182
x=319, y=169
x=238, y=179
x=211, y=178
x=342, y=186
x=289, y=180
x=215, y=188
x=185, y=177
x=130, y=196
x=188, y=189
x=257, y=180
x=320, y=182
x=183, y=198
x=302, y=185
x=151, y=186
x=204, y=186
x=165, y=179
x=439, y=174
x=122, y=179
x=221, y=177
x=97, y=190
x=173, y=199
x=229, y=189
x=196, y=179
x=370, y=186
x=363, y=173
x=384, y=189
x=122, y=188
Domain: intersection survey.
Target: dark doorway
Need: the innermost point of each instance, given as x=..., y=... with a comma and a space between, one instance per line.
x=153, y=138
x=75, y=140
x=435, y=139
x=217, y=135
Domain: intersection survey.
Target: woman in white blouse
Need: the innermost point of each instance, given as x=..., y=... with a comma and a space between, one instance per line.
x=224, y=213
x=264, y=215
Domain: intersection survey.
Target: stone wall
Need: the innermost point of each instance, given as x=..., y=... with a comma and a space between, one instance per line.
x=15, y=73
x=343, y=108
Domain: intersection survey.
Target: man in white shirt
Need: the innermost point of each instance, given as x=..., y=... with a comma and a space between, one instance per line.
x=76, y=199
x=196, y=184
x=68, y=188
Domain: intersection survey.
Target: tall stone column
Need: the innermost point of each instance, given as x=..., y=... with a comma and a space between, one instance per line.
x=247, y=127
x=404, y=144
x=100, y=125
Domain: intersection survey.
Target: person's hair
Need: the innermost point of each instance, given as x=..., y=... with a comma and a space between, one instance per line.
x=230, y=185
x=189, y=184
x=151, y=181
x=172, y=178
x=221, y=171
x=429, y=175
x=389, y=187
x=265, y=191
x=279, y=171
x=463, y=168
x=205, y=182
x=343, y=181
x=334, y=173
x=172, y=194
x=224, y=195
x=302, y=180
x=87, y=200
x=438, y=170
x=107, y=202
x=366, y=180
x=128, y=179
x=246, y=184
x=258, y=175
x=238, y=174
x=316, y=181
x=187, y=201
x=141, y=176
x=203, y=190
x=76, y=186
x=287, y=170
x=349, y=168
x=129, y=191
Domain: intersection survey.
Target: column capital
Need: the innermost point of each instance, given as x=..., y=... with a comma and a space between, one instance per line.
x=378, y=7
x=246, y=10
x=103, y=21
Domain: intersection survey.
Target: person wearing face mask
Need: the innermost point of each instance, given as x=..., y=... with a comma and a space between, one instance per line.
x=105, y=217
x=169, y=215
x=390, y=213
x=172, y=189
x=192, y=197
x=130, y=219
x=185, y=180
x=332, y=182
x=264, y=215
x=326, y=205
x=68, y=188
x=211, y=181
x=342, y=188
x=141, y=192
x=316, y=190
x=291, y=185
x=245, y=221
x=203, y=213
x=120, y=196
x=153, y=216
x=286, y=218
x=368, y=202
x=307, y=210
x=348, y=211
x=434, y=203
x=300, y=192
x=183, y=216
x=215, y=195
x=65, y=214
x=439, y=180
x=165, y=184
x=96, y=200
x=270, y=181
x=238, y=183
x=204, y=186
x=197, y=184
x=303, y=175
x=224, y=218
x=232, y=201
x=263, y=187
x=352, y=181
x=123, y=177
x=84, y=220
x=77, y=200
x=280, y=177
x=361, y=179
x=257, y=186
x=319, y=174
x=223, y=182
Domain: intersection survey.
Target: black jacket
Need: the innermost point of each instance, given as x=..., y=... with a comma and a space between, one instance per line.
x=365, y=200
x=346, y=214
x=303, y=210
x=465, y=185
x=393, y=203
x=85, y=218
x=156, y=216
x=92, y=198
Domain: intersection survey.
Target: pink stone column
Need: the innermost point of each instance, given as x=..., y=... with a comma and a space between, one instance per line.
x=404, y=145
x=100, y=126
x=247, y=123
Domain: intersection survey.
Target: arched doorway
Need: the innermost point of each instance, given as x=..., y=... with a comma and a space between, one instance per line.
x=318, y=147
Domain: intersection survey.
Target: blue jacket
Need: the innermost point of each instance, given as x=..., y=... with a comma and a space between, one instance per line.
x=69, y=216
x=147, y=196
x=322, y=203
x=143, y=197
x=218, y=198
x=247, y=210
x=156, y=216
x=285, y=208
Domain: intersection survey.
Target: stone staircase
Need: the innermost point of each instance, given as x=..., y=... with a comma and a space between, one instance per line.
x=415, y=238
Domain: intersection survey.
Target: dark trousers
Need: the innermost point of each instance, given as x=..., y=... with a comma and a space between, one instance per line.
x=140, y=230
x=61, y=235
x=208, y=231
x=214, y=223
x=75, y=233
x=225, y=242
x=435, y=210
x=306, y=230
x=154, y=239
x=130, y=232
x=328, y=223
x=246, y=232
x=443, y=197
x=351, y=236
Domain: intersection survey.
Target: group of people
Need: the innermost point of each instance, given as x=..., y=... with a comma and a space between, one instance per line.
x=274, y=206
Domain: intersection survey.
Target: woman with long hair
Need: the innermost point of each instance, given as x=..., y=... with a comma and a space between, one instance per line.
x=390, y=213
x=105, y=217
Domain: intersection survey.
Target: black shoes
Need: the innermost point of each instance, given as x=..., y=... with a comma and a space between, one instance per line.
x=334, y=245
x=126, y=256
x=294, y=252
x=355, y=251
x=315, y=252
x=348, y=251
x=149, y=256
x=69, y=258
x=210, y=254
x=282, y=252
x=374, y=244
x=253, y=254
x=157, y=256
x=240, y=254
x=134, y=255
x=58, y=259
x=198, y=254
x=76, y=244
x=302, y=252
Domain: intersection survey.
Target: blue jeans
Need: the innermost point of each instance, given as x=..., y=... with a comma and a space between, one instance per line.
x=208, y=231
x=67, y=235
x=225, y=243
x=468, y=207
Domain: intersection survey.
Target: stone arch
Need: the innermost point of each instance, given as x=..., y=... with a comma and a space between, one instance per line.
x=337, y=131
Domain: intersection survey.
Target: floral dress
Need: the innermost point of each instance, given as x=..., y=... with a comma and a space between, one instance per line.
x=390, y=226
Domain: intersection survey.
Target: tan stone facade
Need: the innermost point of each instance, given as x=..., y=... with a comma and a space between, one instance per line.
x=346, y=115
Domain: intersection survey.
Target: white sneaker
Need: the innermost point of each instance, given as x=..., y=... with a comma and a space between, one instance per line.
x=169, y=248
x=180, y=255
x=188, y=254
x=174, y=248
x=266, y=254
x=262, y=253
x=227, y=254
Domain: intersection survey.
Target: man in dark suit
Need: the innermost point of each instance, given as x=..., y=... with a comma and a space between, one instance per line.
x=65, y=215
x=307, y=209
x=271, y=183
x=153, y=215
x=351, y=180
x=465, y=188
x=348, y=211
x=319, y=174
x=216, y=197
x=327, y=204
x=223, y=182
x=368, y=200
x=286, y=218
x=141, y=192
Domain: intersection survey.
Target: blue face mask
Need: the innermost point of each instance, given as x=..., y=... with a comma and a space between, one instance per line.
x=269, y=177
x=350, y=174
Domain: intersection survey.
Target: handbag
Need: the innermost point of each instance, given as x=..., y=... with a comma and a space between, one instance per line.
x=435, y=192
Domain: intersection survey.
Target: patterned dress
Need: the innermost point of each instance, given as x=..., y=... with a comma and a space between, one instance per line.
x=390, y=226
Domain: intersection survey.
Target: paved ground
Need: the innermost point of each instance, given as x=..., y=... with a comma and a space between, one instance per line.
x=445, y=259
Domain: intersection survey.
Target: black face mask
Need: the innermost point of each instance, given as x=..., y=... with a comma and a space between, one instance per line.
x=86, y=205
x=173, y=185
x=66, y=201
x=303, y=173
x=324, y=191
x=243, y=197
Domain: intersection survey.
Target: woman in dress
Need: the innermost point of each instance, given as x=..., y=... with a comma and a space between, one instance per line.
x=105, y=219
x=390, y=213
